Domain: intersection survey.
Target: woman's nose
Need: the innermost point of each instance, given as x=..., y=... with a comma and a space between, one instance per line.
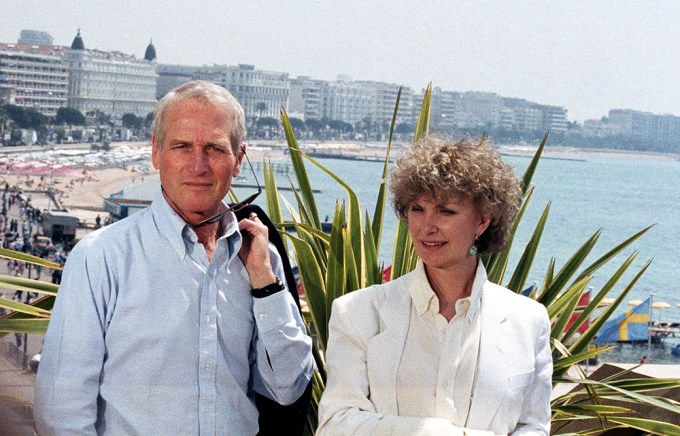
x=430, y=224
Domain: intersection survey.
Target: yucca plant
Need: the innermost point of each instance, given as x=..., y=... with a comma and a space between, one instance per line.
x=345, y=260
x=27, y=318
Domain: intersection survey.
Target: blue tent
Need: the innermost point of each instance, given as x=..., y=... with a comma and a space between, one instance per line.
x=527, y=292
x=633, y=325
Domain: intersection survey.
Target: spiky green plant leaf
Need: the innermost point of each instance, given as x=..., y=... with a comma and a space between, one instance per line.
x=497, y=263
x=519, y=278
x=648, y=425
x=300, y=172
x=379, y=212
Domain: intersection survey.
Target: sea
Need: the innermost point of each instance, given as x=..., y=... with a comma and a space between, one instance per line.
x=618, y=195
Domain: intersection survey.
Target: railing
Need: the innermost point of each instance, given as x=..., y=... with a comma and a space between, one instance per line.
x=16, y=355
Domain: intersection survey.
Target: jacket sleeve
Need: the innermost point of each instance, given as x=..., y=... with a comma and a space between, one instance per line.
x=67, y=383
x=345, y=406
x=535, y=413
x=283, y=350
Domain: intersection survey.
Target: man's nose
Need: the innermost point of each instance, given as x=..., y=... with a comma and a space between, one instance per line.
x=199, y=160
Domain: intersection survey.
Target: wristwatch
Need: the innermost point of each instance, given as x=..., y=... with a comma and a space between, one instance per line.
x=270, y=289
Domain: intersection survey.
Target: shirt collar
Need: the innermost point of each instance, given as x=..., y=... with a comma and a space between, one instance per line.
x=176, y=230
x=424, y=298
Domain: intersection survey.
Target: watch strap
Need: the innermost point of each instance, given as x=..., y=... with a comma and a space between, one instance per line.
x=270, y=289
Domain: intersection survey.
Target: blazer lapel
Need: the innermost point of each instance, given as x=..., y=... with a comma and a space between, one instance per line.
x=490, y=384
x=385, y=349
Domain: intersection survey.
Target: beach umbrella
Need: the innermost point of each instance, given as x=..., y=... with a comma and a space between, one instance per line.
x=635, y=302
x=660, y=305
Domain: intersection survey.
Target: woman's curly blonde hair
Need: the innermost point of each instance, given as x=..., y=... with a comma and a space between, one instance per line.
x=445, y=169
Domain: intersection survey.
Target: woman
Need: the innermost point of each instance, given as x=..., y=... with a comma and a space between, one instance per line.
x=442, y=350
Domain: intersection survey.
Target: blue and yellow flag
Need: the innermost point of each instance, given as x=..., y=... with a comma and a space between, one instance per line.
x=633, y=325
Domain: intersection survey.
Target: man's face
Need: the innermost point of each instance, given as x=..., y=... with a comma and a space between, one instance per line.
x=196, y=161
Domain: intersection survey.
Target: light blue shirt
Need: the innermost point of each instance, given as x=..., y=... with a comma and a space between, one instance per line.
x=149, y=337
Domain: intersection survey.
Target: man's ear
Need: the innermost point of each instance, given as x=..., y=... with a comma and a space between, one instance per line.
x=239, y=160
x=155, y=159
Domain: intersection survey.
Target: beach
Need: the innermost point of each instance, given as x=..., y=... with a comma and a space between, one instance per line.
x=83, y=198
x=82, y=190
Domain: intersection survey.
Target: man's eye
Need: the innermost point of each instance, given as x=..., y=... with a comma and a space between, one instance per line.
x=448, y=212
x=217, y=149
x=415, y=209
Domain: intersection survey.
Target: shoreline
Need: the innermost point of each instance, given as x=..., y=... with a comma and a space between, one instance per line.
x=580, y=153
x=84, y=195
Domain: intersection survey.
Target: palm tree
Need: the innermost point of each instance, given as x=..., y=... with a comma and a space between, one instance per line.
x=261, y=107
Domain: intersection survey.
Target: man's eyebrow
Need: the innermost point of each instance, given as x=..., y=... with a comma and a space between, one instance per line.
x=217, y=143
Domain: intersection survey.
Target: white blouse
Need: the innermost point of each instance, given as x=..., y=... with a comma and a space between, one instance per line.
x=437, y=369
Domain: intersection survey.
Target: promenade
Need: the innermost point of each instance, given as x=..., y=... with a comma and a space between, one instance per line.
x=16, y=379
x=16, y=390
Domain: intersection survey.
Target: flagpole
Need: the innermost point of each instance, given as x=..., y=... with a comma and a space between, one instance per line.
x=588, y=359
x=649, y=327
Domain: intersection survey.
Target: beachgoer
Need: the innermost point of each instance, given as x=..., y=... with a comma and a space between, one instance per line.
x=442, y=350
x=169, y=321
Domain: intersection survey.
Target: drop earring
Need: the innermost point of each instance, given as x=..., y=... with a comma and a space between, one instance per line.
x=474, y=248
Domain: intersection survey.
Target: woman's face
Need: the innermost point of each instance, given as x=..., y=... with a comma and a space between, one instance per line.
x=444, y=230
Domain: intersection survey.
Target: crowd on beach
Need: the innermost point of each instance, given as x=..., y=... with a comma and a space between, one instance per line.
x=20, y=224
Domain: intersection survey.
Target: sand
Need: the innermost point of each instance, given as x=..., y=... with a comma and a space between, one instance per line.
x=84, y=198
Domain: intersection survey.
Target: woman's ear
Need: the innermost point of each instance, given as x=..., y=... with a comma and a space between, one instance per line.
x=483, y=224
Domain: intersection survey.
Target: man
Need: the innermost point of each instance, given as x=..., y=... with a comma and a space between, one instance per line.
x=169, y=321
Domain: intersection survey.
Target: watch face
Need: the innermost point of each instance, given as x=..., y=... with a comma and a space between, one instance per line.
x=279, y=286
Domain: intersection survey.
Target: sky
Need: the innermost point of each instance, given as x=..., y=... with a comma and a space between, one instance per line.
x=587, y=56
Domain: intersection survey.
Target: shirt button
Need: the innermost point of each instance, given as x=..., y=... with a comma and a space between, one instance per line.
x=206, y=410
x=207, y=319
x=263, y=316
x=207, y=365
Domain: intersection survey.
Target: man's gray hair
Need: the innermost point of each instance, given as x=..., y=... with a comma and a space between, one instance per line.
x=209, y=93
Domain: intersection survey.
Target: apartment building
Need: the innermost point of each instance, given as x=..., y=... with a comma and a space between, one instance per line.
x=37, y=76
x=261, y=93
x=305, y=98
x=35, y=37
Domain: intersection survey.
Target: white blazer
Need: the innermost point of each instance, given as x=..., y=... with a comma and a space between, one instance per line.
x=367, y=333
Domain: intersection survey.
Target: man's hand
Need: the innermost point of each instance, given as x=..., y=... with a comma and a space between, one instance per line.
x=254, y=252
